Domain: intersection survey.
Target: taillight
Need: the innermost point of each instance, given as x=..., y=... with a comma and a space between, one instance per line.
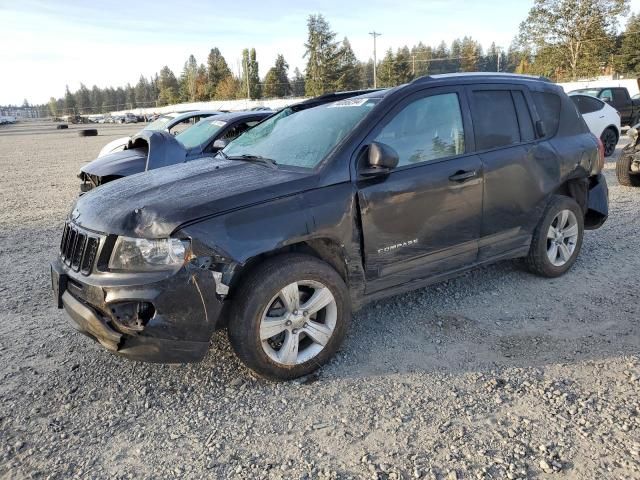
x=600, y=165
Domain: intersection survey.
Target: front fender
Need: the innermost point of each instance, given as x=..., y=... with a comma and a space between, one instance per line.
x=328, y=213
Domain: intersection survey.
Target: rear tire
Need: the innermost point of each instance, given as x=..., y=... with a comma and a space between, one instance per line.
x=609, y=139
x=275, y=328
x=558, y=236
x=623, y=171
x=62, y=127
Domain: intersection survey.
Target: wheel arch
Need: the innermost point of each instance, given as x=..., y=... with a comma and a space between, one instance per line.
x=326, y=249
x=614, y=128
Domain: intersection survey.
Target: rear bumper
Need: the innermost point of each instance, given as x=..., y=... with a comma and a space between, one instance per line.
x=186, y=312
x=597, y=210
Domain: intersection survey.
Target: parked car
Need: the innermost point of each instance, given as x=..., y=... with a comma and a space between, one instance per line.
x=173, y=123
x=628, y=163
x=128, y=118
x=618, y=98
x=154, y=149
x=602, y=119
x=324, y=207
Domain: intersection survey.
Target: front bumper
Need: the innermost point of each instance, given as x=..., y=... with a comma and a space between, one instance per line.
x=186, y=311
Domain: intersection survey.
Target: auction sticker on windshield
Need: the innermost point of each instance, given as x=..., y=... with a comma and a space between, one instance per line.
x=218, y=123
x=349, y=102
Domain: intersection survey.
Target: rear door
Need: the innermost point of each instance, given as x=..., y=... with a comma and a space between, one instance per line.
x=424, y=217
x=506, y=144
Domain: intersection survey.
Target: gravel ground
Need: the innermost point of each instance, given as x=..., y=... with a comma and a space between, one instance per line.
x=496, y=374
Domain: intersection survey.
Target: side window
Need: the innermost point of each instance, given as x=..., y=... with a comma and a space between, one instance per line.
x=426, y=129
x=548, y=106
x=606, y=95
x=182, y=126
x=495, y=122
x=619, y=96
x=524, y=117
x=586, y=104
x=238, y=130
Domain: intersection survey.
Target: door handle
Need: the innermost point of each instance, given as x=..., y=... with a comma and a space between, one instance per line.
x=462, y=176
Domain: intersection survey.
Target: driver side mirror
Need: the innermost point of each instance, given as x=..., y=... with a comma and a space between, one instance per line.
x=381, y=159
x=219, y=144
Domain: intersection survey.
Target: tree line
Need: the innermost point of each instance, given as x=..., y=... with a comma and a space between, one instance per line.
x=560, y=39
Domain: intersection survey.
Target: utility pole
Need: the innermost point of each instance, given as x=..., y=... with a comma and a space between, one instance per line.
x=413, y=68
x=499, y=49
x=375, y=60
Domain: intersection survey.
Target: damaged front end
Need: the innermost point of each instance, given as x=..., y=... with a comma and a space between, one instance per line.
x=163, y=316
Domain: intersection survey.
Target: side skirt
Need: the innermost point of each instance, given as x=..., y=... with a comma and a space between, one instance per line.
x=424, y=282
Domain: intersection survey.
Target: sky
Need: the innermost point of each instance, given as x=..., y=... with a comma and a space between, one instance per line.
x=49, y=44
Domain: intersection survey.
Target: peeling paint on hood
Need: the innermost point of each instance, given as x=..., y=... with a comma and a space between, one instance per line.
x=154, y=204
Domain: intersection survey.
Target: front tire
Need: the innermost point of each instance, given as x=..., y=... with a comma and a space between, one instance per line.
x=290, y=316
x=623, y=171
x=557, y=239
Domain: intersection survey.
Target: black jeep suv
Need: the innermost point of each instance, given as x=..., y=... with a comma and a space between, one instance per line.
x=326, y=206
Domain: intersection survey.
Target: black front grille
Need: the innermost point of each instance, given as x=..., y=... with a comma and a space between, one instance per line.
x=78, y=250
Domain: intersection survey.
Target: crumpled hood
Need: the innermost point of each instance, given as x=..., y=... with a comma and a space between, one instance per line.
x=154, y=204
x=123, y=163
x=163, y=149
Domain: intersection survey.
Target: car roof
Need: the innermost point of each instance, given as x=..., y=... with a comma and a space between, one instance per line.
x=193, y=113
x=240, y=115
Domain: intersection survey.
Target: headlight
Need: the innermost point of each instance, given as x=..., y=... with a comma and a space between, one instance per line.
x=143, y=255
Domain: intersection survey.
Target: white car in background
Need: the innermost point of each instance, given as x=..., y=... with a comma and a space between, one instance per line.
x=602, y=119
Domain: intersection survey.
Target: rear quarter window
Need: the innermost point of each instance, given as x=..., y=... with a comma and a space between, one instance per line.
x=548, y=106
x=586, y=104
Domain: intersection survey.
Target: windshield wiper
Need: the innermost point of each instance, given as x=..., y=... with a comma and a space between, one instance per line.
x=271, y=163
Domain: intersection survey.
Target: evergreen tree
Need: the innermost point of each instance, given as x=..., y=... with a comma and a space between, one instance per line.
x=83, y=100
x=69, y=102
x=386, y=71
x=471, y=55
x=348, y=68
x=250, y=73
x=217, y=70
x=130, y=93
x=403, y=66
x=366, y=74
x=142, y=93
x=96, y=99
x=321, y=52
x=188, y=80
x=629, y=59
x=297, y=83
x=121, y=99
x=168, y=89
x=440, y=58
x=421, y=58
x=276, y=83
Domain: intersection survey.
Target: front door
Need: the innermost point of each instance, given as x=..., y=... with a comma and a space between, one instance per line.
x=424, y=217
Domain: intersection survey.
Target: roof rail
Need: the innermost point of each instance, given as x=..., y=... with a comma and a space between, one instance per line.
x=427, y=78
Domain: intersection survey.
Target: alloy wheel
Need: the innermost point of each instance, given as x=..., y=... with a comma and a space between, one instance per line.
x=298, y=322
x=562, y=238
x=609, y=140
